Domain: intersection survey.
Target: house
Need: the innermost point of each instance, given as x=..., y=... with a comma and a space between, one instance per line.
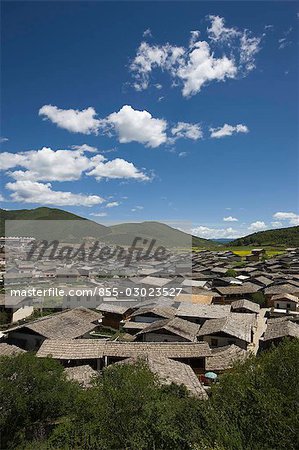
x=169, y=330
x=113, y=314
x=256, y=254
x=286, y=302
x=231, y=293
x=171, y=371
x=70, y=324
x=198, y=313
x=98, y=353
x=245, y=306
x=224, y=358
x=277, y=330
x=234, y=329
x=285, y=288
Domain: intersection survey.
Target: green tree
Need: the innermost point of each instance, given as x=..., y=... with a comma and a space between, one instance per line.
x=230, y=273
x=34, y=393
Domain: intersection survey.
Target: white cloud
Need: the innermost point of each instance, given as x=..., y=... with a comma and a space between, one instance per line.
x=2, y=199
x=99, y=214
x=3, y=139
x=117, y=168
x=201, y=67
x=183, y=154
x=129, y=124
x=276, y=224
x=112, y=204
x=228, y=130
x=46, y=164
x=230, y=219
x=292, y=217
x=66, y=165
x=215, y=233
x=257, y=226
x=33, y=192
x=133, y=125
x=187, y=130
x=85, y=148
x=196, y=65
x=73, y=120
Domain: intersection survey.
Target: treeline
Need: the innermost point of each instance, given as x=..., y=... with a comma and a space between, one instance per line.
x=255, y=406
x=284, y=237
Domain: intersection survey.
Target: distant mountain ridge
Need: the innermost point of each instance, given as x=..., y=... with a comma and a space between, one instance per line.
x=282, y=236
x=122, y=234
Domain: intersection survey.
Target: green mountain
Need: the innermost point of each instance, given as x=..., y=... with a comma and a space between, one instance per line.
x=161, y=232
x=122, y=234
x=64, y=225
x=286, y=237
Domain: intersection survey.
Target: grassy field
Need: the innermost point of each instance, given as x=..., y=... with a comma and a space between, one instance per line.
x=246, y=250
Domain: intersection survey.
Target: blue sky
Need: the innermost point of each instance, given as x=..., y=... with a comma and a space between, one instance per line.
x=170, y=111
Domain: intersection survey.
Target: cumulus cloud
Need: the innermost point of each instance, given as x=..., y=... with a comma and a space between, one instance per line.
x=112, y=204
x=257, y=226
x=228, y=130
x=3, y=139
x=73, y=120
x=195, y=66
x=139, y=126
x=117, y=168
x=187, y=130
x=26, y=191
x=276, y=224
x=66, y=165
x=291, y=217
x=230, y=219
x=215, y=233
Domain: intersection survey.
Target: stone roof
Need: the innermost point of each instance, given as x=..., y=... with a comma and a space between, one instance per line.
x=68, y=324
x=165, y=312
x=96, y=348
x=183, y=328
x=202, y=311
x=224, y=358
x=236, y=324
x=245, y=304
x=113, y=309
x=288, y=297
x=246, y=288
x=82, y=374
x=170, y=371
x=10, y=350
x=277, y=329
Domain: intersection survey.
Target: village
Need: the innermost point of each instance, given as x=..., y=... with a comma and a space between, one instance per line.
x=191, y=323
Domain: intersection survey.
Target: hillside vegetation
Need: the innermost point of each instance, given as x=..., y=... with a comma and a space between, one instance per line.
x=122, y=234
x=285, y=237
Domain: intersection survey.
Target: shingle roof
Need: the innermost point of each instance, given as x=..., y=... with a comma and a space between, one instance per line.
x=95, y=348
x=289, y=297
x=166, y=312
x=114, y=309
x=202, y=311
x=281, y=289
x=224, y=358
x=10, y=350
x=81, y=374
x=68, y=324
x=281, y=328
x=246, y=288
x=237, y=325
x=246, y=304
x=170, y=371
x=177, y=326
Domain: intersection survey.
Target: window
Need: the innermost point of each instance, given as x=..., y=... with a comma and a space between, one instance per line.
x=288, y=306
